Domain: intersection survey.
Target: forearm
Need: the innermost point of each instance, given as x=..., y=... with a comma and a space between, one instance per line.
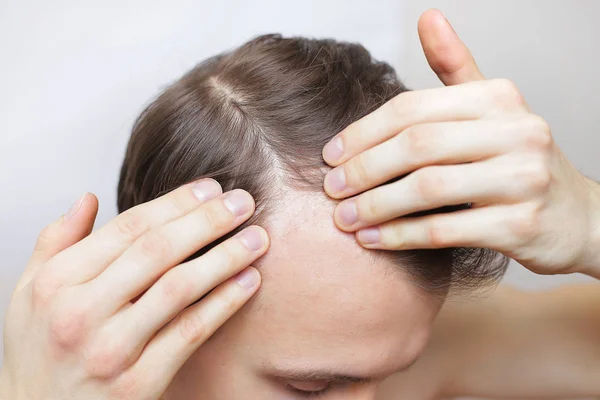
x=517, y=344
x=3, y=386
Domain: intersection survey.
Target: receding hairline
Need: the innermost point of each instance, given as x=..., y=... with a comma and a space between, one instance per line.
x=297, y=110
x=294, y=207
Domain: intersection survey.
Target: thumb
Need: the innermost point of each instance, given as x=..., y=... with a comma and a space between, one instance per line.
x=67, y=230
x=446, y=54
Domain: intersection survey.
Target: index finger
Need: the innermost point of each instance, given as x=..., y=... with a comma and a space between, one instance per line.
x=468, y=101
x=92, y=255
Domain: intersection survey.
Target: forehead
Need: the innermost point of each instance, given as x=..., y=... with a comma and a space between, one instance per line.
x=326, y=298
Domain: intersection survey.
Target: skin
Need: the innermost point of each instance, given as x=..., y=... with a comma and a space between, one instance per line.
x=529, y=203
x=93, y=315
x=473, y=141
x=88, y=319
x=369, y=323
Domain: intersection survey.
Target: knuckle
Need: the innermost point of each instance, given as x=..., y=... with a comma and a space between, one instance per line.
x=47, y=236
x=357, y=171
x=421, y=142
x=504, y=87
x=507, y=92
x=191, y=327
x=524, y=223
x=536, y=175
x=231, y=254
x=155, y=245
x=229, y=305
x=212, y=219
x=368, y=206
x=438, y=235
x=107, y=358
x=538, y=135
x=176, y=206
x=131, y=225
x=399, y=103
x=67, y=328
x=129, y=386
x=392, y=236
x=175, y=290
x=430, y=184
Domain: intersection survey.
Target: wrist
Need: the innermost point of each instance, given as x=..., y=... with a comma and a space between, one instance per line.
x=591, y=266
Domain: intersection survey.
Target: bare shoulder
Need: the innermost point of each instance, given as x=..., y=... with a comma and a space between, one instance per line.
x=479, y=343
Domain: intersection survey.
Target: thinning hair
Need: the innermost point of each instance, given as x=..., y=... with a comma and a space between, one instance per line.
x=257, y=118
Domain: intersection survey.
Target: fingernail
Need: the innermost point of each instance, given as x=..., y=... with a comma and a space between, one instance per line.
x=237, y=202
x=252, y=238
x=369, y=235
x=334, y=150
x=248, y=278
x=206, y=189
x=348, y=213
x=335, y=180
x=75, y=207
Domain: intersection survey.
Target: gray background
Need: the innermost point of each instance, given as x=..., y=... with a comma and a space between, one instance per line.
x=75, y=74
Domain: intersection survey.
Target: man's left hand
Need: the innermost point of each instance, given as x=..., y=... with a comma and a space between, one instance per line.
x=474, y=141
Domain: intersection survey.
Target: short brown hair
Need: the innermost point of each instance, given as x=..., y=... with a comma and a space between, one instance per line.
x=257, y=118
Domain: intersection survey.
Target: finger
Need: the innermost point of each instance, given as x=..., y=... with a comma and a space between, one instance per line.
x=501, y=180
x=173, y=345
x=419, y=146
x=162, y=248
x=92, y=255
x=69, y=229
x=188, y=282
x=469, y=101
x=493, y=227
x=446, y=54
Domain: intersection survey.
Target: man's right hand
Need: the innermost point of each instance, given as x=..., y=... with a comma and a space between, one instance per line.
x=113, y=314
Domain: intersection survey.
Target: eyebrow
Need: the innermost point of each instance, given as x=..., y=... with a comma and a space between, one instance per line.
x=317, y=375
x=305, y=374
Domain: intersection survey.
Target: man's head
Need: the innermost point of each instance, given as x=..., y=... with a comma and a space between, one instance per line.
x=257, y=118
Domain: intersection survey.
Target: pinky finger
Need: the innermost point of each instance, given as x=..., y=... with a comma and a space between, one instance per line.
x=496, y=227
x=166, y=353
